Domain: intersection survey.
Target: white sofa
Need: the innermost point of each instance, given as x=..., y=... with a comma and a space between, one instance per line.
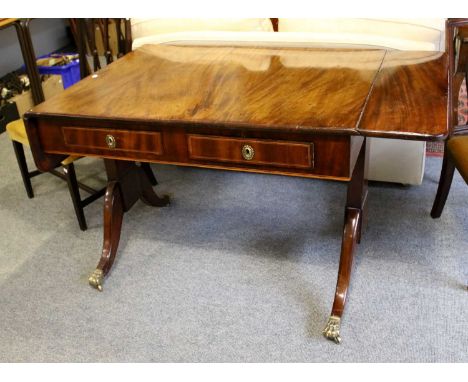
x=396, y=161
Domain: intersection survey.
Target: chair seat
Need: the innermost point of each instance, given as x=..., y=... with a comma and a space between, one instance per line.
x=458, y=149
x=17, y=132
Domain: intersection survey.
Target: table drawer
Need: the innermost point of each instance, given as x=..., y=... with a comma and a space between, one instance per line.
x=251, y=151
x=114, y=140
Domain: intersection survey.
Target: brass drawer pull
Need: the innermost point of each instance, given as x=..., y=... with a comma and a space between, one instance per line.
x=110, y=141
x=248, y=152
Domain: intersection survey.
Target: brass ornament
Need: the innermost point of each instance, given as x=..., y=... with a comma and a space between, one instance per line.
x=332, y=329
x=248, y=152
x=96, y=278
x=110, y=141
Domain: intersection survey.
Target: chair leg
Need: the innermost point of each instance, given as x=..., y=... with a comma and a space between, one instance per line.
x=75, y=195
x=446, y=176
x=149, y=173
x=23, y=166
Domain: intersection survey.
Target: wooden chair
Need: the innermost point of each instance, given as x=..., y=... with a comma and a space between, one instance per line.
x=17, y=133
x=85, y=31
x=456, y=146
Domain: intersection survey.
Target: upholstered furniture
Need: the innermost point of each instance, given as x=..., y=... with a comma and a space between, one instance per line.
x=457, y=150
x=400, y=161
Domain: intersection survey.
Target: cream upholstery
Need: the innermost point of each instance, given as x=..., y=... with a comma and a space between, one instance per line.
x=397, y=161
x=301, y=39
x=151, y=27
x=402, y=34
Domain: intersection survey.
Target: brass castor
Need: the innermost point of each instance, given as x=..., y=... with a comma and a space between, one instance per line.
x=332, y=329
x=96, y=278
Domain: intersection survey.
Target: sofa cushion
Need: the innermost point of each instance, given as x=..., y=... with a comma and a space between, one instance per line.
x=242, y=38
x=403, y=34
x=148, y=27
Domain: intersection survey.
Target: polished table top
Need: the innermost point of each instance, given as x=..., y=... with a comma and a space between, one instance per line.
x=374, y=92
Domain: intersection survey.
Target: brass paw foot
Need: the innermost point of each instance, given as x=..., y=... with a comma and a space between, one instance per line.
x=96, y=278
x=332, y=330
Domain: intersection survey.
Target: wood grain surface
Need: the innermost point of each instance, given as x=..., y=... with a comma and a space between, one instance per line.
x=272, y=88
x=266, y=152
x=295, y=88
x=288, y=153
x=409, y=97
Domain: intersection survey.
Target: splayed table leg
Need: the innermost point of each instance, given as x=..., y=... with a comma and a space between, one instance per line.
x=355, y=205
x=127, y=183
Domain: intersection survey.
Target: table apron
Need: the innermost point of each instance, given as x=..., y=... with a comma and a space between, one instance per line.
x=307, y=155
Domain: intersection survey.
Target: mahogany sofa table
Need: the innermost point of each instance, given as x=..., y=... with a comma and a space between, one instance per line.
x=291, y=111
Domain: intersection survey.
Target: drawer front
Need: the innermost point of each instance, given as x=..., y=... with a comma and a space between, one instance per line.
x=251, y=151
x=115, y=140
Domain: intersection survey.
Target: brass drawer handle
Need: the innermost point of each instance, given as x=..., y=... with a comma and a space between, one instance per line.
x=110, y=141
x=248, y=152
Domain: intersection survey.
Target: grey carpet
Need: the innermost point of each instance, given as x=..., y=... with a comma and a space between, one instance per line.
x=240, y=267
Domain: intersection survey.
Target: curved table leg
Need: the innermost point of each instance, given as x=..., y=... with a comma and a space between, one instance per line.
x=350, y=237
x=127, y=183
x=148, y=196
x=446, y=176
x=113, y=216
x=353, y=222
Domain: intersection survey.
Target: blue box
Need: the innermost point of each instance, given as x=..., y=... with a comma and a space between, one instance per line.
x=70, y=73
